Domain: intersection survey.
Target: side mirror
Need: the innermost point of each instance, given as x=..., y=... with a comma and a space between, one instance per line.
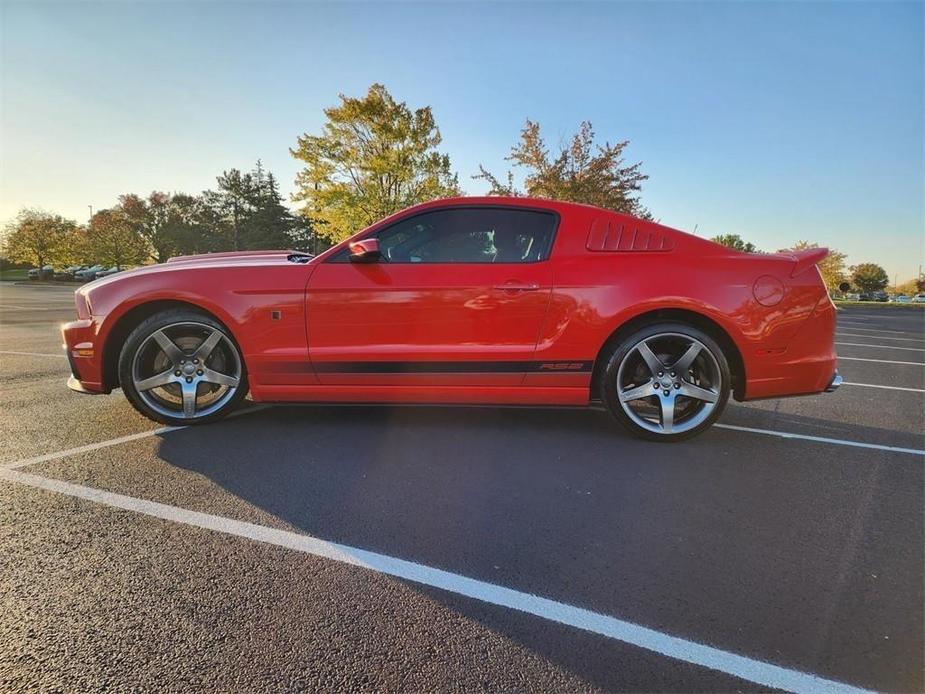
x=365, y=251
x=844, y=287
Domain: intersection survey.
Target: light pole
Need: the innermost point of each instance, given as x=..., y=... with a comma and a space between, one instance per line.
x=91, y=211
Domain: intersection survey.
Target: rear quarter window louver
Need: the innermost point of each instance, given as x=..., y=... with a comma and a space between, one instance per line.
x=619, y=236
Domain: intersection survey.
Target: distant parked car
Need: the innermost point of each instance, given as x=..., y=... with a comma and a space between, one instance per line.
x=88, y=274
x=918, y=299
x=67, y=274
x=44, y=273
x=106, y=273
x=902, y=299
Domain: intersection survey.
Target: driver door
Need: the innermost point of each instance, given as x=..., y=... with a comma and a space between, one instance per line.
x=457, y=297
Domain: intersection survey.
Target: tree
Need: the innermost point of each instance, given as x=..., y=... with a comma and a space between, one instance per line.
x=166, y=222
x=910, y=287
x=111, y=239
x=374, y=157
x=735, y=242
x=271, y=224
x=832, y=267
x=869, y=277
x=38, y=238
x=577, y=173
x=247, y=212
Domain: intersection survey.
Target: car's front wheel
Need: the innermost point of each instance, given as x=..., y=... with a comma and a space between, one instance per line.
x=182, y=367
x=666, y=382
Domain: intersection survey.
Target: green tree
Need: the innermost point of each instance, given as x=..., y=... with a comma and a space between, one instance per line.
x=832, y=267
x=735, y=242
x=869, y=277
x=111, y=239
x=375, y=156
x=271, y=224
x=38, y=238
x=246, y=212
x=166, y=222
x=578, y=172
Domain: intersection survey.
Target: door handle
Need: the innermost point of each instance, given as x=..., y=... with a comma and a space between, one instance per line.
x=515, y=286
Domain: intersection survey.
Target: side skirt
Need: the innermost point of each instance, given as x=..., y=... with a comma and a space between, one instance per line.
x=468, y=395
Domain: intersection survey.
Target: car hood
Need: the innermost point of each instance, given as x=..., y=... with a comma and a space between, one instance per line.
x=234, y=258
x=203, y=261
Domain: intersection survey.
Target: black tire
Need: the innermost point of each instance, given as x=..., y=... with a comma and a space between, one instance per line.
x=646, y=407
x=212, y=377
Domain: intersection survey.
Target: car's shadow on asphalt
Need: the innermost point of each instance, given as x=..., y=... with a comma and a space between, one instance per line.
x=563, y=504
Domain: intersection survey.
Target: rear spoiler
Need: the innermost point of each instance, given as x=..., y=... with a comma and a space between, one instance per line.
x=805, y=259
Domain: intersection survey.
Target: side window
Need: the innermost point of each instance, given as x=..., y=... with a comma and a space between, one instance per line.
x=469, y=235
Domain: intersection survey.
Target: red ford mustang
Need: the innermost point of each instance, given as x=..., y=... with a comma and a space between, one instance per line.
x=473, y=300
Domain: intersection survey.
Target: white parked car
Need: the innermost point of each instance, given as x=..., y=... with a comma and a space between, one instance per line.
x=45, y=273
x=106, y=273
x=89, y=273
x=918, y=299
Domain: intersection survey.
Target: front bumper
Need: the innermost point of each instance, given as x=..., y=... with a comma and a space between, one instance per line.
x=74, y=384
x=83, y=356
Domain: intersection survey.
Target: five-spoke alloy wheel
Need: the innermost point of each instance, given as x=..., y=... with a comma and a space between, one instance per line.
x=182, y=367
x=666, y=382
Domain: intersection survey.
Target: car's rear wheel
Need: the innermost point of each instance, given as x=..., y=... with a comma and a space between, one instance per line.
x=182, y=367
x=666, y=382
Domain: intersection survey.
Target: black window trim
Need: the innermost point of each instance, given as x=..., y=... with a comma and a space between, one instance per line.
x=375, y=230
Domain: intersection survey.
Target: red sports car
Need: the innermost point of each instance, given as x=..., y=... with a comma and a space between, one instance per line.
x=492, y=301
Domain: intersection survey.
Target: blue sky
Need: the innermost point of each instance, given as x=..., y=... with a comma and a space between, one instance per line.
x=776, y=121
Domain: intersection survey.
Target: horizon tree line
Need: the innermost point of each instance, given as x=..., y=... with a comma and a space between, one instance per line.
x=245, y=211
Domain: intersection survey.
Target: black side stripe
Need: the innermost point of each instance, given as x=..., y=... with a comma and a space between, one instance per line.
x=431, y=367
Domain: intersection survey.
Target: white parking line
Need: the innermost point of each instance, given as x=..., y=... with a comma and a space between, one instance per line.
x=878, y=337
x=857, y=326
x=33, y=354
x=874, y=385
x=822, y=439
x=57, y=455
x=881, y=361
x=756, y=671
x=858, y=344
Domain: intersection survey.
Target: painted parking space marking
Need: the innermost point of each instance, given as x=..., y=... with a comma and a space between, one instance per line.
x=58, y=455
x=757, y=671
x=32, y=354
x=876, y=337
x=882, y=361
x=857, y=326
x=874, y=385
x=904, y=349
x=821, y=439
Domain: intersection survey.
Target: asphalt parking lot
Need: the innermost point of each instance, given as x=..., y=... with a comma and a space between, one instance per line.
x=361, y=548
